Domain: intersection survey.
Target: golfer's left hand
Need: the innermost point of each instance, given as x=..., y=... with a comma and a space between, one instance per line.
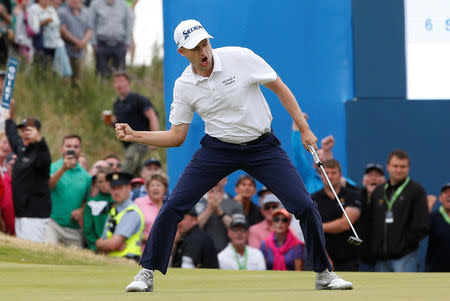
x=309, y=138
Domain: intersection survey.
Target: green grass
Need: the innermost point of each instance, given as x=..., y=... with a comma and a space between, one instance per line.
x=64, y=110
x=51, y=282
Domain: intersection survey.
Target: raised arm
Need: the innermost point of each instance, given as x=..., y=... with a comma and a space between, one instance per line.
x=290, y=103
x=169, y=138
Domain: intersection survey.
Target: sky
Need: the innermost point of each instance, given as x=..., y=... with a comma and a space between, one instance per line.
x=148, y=29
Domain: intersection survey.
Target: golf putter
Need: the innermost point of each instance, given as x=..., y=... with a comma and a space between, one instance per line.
x=352, y=240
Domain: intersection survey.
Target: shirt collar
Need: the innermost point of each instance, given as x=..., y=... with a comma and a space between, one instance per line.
x=195, y=78
x=124, y=205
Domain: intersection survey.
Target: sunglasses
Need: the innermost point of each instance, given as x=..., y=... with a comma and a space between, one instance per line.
x=280, y=219
x=271, y=207
x=118, y=165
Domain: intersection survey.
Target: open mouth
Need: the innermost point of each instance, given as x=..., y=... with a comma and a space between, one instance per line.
x=204, y=61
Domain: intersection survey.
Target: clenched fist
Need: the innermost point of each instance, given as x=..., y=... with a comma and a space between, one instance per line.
x=124, y=132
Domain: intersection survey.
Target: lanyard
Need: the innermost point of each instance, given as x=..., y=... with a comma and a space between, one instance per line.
x=396, y=194
x=444, y=214
x=242, y=266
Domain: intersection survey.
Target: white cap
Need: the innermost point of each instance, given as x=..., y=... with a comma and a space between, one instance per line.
x=189, y=33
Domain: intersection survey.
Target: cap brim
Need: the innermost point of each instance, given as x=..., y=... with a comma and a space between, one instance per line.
x=193, y=42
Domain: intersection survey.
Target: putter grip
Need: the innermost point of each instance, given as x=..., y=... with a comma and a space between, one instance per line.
x=314, y=154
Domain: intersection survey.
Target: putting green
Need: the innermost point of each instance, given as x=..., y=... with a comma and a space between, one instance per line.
x=58, y=282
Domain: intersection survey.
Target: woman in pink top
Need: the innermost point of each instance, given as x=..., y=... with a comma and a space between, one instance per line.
x=282, y=250
x=150, y=204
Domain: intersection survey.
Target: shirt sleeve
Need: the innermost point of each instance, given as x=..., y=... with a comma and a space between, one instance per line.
x=144, y=103
x=180, y=111
x=89, y=232
x=129, y=224
x=259, y=70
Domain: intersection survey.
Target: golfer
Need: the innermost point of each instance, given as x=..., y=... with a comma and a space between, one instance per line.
x=222, y=86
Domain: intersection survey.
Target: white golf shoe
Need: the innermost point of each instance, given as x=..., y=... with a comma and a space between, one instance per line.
x=143, y=282
x=327, y=280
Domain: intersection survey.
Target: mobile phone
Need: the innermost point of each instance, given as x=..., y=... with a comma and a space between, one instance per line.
x=70, y=152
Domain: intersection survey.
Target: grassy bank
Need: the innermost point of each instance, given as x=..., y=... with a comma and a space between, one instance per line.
x=16, y=250
x=63, y=110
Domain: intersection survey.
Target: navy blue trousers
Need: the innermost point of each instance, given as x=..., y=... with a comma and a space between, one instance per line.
x=267, y=162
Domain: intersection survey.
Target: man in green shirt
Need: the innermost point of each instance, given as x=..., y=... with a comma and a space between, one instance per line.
x=97, y=209
x=70, y=187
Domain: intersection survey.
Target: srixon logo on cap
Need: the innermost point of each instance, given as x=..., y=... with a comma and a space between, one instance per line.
x=187, y=32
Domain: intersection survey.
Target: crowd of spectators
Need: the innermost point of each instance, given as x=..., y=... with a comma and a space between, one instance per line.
x=54, y=34
x=111, y=206
x=111, y=211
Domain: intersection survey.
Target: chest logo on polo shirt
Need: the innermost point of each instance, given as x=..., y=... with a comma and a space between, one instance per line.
x=342, y=200
x=380, y=202
x=229, y=81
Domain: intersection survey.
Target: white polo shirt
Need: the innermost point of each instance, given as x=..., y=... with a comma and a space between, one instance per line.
x=255, y=259
x=229, y=101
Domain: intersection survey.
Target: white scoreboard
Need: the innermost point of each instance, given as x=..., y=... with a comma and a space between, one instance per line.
x=427, y=26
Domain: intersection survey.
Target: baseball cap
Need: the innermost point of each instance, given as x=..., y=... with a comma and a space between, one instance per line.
x=445, y=186
x=189, y=33
x=152, y=161
x=282, y=211
x=137, y=181
x=24, y=123
x=270, y=198
x=118, y=178
x=374, y=166
x=238, y=219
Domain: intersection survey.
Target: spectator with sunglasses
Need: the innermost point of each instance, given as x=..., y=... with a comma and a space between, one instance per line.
x=114, y=162
x=282, y=250
x=262, y=230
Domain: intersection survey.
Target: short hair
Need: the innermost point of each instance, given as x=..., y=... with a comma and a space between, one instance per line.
x=122, y=73
x=103, y=170
x=110, y=156
x=399, y=153
x=71, y=136
x=158, y=177
x=245, y=177
x=332, y=163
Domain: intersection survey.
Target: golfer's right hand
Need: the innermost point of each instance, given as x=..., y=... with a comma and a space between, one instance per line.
x=123, y=132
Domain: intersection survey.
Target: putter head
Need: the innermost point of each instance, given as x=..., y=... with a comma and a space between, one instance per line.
x=354, y=241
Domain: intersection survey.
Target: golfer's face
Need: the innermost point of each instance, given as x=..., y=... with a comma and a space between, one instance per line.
x=398, y=168
x=200, y=56
x=120, y=193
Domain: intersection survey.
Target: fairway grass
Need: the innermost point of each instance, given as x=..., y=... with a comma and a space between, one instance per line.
x=59, y=282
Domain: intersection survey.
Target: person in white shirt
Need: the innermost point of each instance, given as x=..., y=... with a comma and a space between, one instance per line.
x=223, y=86
x=238, y=255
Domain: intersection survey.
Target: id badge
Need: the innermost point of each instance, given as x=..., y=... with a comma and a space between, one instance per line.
x=389, y=217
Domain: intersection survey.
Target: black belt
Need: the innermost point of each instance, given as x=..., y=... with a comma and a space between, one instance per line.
x=255, y=141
